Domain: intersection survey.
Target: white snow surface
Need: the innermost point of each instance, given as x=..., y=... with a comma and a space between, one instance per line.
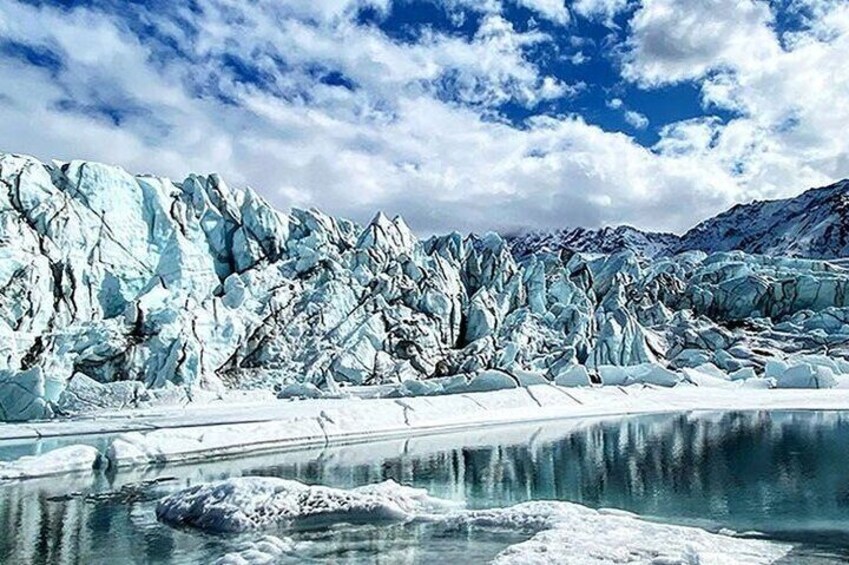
x=247, y=503
x=71, y=459
x=317, y=422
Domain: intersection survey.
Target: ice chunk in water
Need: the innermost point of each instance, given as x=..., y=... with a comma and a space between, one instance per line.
x=246, y=503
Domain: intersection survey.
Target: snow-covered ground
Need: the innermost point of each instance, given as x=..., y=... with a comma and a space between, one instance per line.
x=202, y=432
x=73, y=458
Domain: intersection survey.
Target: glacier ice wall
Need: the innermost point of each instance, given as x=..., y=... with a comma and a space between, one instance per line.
x=169, y=288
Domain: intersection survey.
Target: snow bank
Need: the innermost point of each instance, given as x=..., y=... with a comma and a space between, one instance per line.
x=246, y=503
x=318, y=422
x=160, y=446
x=206, y=432
x=74, y=458
x=573, y=534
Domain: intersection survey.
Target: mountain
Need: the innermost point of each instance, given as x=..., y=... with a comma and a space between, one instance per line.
x=813, y=225
x=605, y=240
x=121, y=290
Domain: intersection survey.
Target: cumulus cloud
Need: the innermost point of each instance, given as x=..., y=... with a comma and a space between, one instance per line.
x=674, y=40
x=600, y=9
x=636, y=119
x=554, y=10
x=312, y=108
x=786, y=88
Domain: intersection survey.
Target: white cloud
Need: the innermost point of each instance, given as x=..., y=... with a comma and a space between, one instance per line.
x=632, y=117
x=788, y=90
x=393, y=141
x=674, y=40
x=579, y=58
x=636, y=119
x=554, y=10
x=600, y=9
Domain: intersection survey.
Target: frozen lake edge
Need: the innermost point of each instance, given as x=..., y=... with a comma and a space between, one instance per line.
x=218, y=429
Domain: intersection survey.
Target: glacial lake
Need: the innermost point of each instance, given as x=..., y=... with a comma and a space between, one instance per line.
x=783, y=474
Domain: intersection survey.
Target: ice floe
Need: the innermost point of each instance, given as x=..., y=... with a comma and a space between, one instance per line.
x=247, y=503
x=266, y=550
x=559, y=532
x=573, y=534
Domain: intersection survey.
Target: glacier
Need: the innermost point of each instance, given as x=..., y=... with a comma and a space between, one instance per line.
x=124, y=292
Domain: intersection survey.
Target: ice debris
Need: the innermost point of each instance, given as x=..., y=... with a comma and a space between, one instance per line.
x=265, y=551
x=560, y=532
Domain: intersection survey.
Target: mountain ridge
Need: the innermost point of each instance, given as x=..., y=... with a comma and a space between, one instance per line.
x=812, y=225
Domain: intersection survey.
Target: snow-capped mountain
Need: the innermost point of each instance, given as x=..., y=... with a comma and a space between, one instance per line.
x=604, y=240
x=813, y=225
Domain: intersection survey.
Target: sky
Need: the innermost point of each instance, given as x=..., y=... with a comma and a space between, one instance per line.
x=471, y=115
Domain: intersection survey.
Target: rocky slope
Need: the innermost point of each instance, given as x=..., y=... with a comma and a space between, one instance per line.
x=126, y=289
x=814, y=225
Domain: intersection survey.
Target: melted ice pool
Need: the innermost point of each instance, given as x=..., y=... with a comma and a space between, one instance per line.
x=784, y=474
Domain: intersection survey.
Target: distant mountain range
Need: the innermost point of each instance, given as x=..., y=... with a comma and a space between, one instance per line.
x=814, y=224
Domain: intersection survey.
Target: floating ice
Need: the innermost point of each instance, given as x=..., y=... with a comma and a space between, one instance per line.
x=247, y=503
x=264, y=551
x=573, y=534
x=561, y=532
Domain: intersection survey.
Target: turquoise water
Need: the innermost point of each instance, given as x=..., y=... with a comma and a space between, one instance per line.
x=784, y=475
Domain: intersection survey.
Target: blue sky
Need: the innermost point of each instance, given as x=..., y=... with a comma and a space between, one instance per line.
x=456, y=114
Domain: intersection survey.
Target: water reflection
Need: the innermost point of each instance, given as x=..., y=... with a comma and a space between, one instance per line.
x=783, y=473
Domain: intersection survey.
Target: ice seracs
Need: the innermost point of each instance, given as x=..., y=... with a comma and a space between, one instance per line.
x=119, y=291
